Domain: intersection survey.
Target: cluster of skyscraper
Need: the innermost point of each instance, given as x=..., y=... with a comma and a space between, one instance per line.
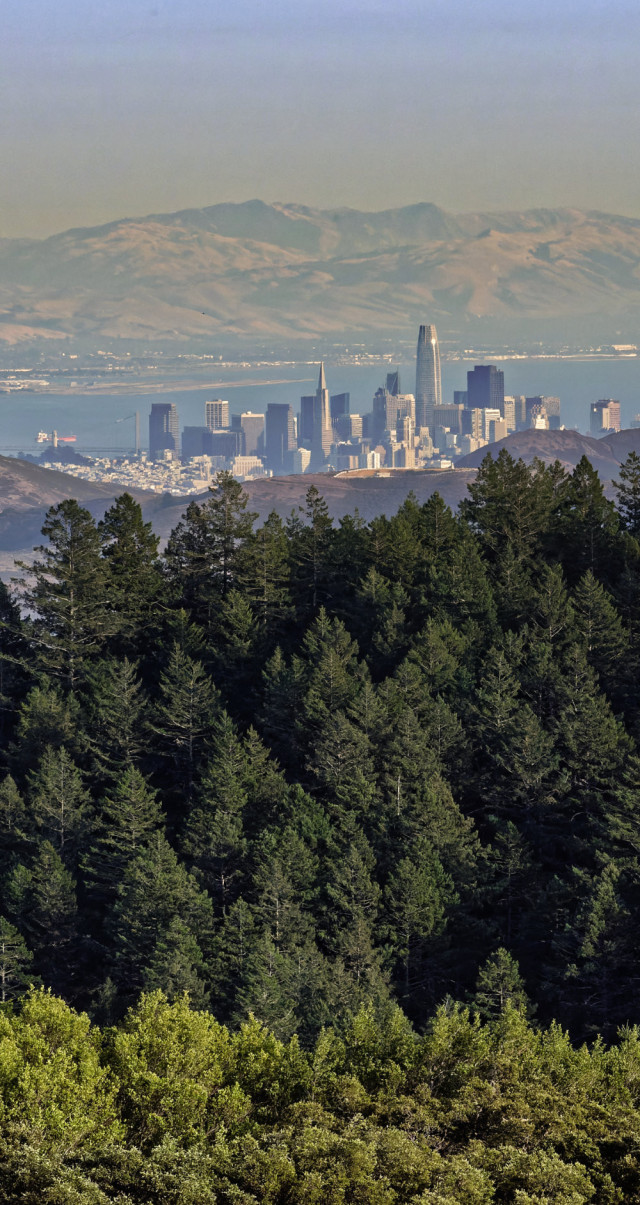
x=402, y=430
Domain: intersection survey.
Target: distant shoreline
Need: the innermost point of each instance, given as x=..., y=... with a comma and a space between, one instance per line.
x=114, y=388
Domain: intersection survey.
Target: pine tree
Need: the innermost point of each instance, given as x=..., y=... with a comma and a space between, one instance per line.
x=186, y=705
x=587, y=527
x=51, y=919
x=68, y=595
x=628, y=491
x=60, y=804
x=214, y=837
x=130, y=551
x=266, y=575
x=601, y=632
x=116, y=716
x=499, y=984
x=155, y=890
x=177, y=966
x=417, y=896
x=15, y=963
x=205, y=551
x=46, y=719
x=310, y=546
x=127, y=819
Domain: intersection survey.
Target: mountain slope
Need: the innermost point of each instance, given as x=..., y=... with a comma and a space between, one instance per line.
x=287, y=270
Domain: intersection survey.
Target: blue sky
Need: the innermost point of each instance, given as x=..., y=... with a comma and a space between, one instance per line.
x=111, y=108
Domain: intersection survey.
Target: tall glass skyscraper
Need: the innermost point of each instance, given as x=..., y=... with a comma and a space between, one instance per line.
x=428, y=381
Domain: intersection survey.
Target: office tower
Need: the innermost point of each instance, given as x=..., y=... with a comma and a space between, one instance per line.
x=473, y=423
x=251, y=428
x=322, y=429
x=449, y=416
x=551, y=406
x=509, y=413
x=279, y=438
x=164, y=429
x=520, y=412
x=428, y=381
x=459, y=397
x=216, y=414
x=485, y=388
x=196, y=441
x=497, y=429
x=339, y=406
x=305, y=421
x=393, y=382
x=605, y=416
x=388, y=408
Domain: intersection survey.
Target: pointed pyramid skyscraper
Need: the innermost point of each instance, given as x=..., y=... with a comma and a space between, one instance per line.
x=322, y=429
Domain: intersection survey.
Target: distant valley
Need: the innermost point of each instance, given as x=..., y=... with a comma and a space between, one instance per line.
x=287, y=272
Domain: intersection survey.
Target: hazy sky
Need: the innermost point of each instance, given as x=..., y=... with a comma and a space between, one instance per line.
x=122, y=107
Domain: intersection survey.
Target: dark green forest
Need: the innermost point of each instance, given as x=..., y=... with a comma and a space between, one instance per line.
x=370, y=794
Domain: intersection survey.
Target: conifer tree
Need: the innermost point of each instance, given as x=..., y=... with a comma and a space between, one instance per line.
x=205, y=551
x=628, y=491
x=177, y=966
x=60, y=804
x=15, y=963
x=186, y=705
x=499, y=984
x=50, y=922
x=154, y=891
x=130, y=551
x=311, y=555
x=116, y=716
x=601, y=632
x=266, y=573
x=214, y=837
x=68, y=595
x=46, y=719
x=128, y=816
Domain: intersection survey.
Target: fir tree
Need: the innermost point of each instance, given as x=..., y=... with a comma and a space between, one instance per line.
x=68, y=595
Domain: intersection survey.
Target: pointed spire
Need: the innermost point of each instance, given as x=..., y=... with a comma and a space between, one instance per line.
x=322, y=384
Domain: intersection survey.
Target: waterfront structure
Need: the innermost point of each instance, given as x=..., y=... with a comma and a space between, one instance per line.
x=216, y=414
x=322, y=438
x=279, y=437
x=164, y=429
x=604, y=416
x=428, y=379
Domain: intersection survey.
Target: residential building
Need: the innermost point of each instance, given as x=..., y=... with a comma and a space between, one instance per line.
x=216, y=414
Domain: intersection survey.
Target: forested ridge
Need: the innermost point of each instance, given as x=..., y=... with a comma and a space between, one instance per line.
x=333, y=779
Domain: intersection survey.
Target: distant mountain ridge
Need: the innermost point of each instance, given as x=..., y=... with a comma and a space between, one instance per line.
x=288, y=271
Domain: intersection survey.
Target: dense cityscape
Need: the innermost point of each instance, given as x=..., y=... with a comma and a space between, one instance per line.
x=416, y=430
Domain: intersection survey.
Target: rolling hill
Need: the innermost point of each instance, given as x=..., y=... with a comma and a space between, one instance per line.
x=286, y=271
